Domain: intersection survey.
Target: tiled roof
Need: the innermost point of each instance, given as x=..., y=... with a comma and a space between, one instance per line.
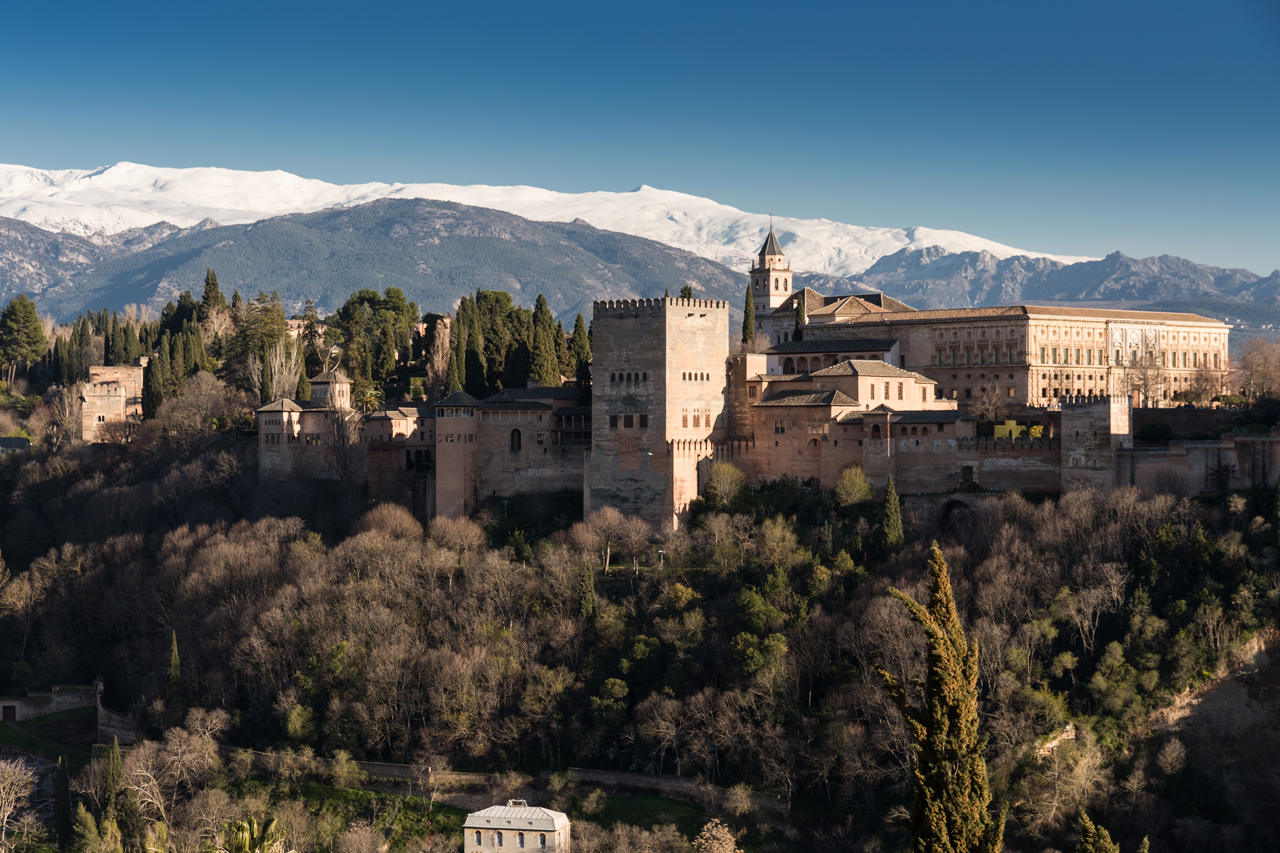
x=281, y=405
x=459, y=398
x=935, y=416
x=15, y=442
x=335, y=375
x=1012, y=311
x=516, y=817
x=771, y=246
x=870, y=368
x=508, y=394
x=808, y=398
x=514, y=405
x=834, y=345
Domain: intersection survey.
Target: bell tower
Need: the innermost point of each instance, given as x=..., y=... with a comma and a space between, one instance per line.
x=770, y=277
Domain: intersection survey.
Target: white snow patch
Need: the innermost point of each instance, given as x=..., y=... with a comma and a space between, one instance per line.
x=128, y=195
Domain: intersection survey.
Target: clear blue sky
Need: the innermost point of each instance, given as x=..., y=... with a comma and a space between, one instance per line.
x=1079, y=128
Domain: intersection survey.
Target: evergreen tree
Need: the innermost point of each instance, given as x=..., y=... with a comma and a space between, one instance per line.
x=212, y=299
x=63, y=818
x=303, y=394
x=542, y=319
x=587, y=593
x=174, y=698
x=451, y=383
x=164, y=364
x=950, y=807
x=152, y=389
x=119, y=342
x=195, y=346
x=564, y=358
x=686, y=292
x=666, y=293
x=546, y=370
x=267, y=380
x=1094, y=839
x=581, y=342
x=802, y=317
x=460, y=350
x=22, y=340
x=112, y=779
x=86, y=829
x=476, y=383
x=386, y=347
x=748, y=320
x=311, y=338
x=517, y=364
x=891, y=535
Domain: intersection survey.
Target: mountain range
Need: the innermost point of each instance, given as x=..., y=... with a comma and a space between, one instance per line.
x=136, y=234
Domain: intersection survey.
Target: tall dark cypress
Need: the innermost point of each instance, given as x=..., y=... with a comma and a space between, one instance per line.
x=891, y=534
x=153, y=382
x=476, y=383
x=748, y=320
x=62, y=818
x=451, y=381
x=951, y=807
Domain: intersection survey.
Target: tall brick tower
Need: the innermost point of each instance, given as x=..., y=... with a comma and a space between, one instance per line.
x=658, y=387
x=770, y=277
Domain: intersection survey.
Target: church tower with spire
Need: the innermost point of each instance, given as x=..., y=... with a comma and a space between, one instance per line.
x=770, y=278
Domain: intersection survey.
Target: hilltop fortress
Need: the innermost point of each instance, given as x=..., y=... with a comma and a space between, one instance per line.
x=864, y=380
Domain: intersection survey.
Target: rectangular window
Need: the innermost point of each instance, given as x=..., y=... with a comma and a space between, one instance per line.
x=751, y=392
x=1088, y=356
x=684, y=421
x=886, y=390
x=628, y=421
x=1118, y=361
x=697, y=421
x=923, y=399
x=779, y=427
x=873, y=390
x=1215, y=361
x=613, y=421
x=968, y=393
x=1078, y=361
x=1055, y=355
x=899, y=390
x=1011, y=392
x=1042, y=355
x=644, y=422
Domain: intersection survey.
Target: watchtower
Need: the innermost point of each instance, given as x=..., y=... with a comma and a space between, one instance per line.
x=1093, y=429
x=658, y=387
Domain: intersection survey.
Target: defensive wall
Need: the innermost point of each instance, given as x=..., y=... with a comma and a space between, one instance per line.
x=1195, y=424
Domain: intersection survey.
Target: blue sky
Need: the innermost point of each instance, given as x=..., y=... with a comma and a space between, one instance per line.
x=1077, y=128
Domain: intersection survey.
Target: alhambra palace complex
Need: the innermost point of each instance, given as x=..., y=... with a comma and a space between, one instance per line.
x=872, y=383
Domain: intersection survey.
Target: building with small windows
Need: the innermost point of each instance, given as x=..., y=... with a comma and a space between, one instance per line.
x=516, y=826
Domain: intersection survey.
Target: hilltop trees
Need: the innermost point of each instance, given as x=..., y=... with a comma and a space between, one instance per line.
x=950, y=808
x=22, y=337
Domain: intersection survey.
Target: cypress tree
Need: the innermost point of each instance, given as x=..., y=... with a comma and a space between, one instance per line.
x=303, y=394
x=515, y=372
x=112, y=779
x=212, y=297
x=891, y=525
x=587, y=593
x=267, y=380
x=802, y=317
x=748, y=320
x=476, y=383
x=1095, y=839
x=950, y=807
x=119, y=342
x=568, y=364
x=581, y=342
x=451, y=382
x=686, y=292
x=175, y=676
x=546, y=370
x=62, y=816
x=542, y=318
x=152, y=389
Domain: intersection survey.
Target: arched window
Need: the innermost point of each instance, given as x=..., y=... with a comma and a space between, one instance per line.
x=477, y=838
x=515, y=440
x=542, y=839
x=875, y=430
x=904, y=431
x=924, y=430
x=613, y=377
x=644, y=377
x=498, y=838
x=913, y=431
x=520, y=839
x=788, y=366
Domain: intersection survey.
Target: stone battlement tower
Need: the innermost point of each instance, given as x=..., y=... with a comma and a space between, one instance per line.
x=1094, y=427
x=658, y=388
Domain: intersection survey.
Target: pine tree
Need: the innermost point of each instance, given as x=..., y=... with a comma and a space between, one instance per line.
x=891, y=535
x=174, y=698
x=748, y=320
x=22, y=340
x=451, y=382
x=1094, y=839
x=212, y=298
x=950, y=808
x=546, y=370
x=62, y=816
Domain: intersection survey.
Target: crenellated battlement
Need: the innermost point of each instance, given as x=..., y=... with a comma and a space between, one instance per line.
x=655, y=306
x=1079, y=400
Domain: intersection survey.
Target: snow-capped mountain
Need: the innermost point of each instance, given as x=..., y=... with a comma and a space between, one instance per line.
x=100, y=202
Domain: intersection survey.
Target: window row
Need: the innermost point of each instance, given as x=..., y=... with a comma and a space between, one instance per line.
x=697, y=421
x=629, y=377
x=696, y=377
x=954, y=358
x=499, y=837
x=629, y=421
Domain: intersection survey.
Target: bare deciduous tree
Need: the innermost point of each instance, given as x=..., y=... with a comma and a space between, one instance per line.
x=990, y=404
x=16, y=785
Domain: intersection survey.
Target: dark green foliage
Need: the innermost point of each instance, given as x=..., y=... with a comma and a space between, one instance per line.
x=587, y=593
x=303, y=394
x=748, y=320
x=175, y=697
x=477, y=383
x=451, y=383
x=153, y=382
x=951, y=803
x=112, y=779
x=802, y=317
x=891, y=533
x=22, y=340
x=212, y=299
x=686, y=292
x=1094, y=839
x=546, y=367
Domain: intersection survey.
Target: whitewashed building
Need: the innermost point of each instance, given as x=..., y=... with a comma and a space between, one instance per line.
x=516, y=826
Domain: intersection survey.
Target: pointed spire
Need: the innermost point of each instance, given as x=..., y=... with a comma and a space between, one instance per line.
x=770, y=246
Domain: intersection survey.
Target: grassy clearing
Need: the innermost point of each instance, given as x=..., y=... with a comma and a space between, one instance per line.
x=399, y=818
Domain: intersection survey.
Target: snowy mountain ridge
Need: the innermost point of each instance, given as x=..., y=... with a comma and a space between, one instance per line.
x=97, y=203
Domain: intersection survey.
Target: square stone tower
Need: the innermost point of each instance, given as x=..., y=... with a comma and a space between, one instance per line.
x=1093, y=428
x=658, y=389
